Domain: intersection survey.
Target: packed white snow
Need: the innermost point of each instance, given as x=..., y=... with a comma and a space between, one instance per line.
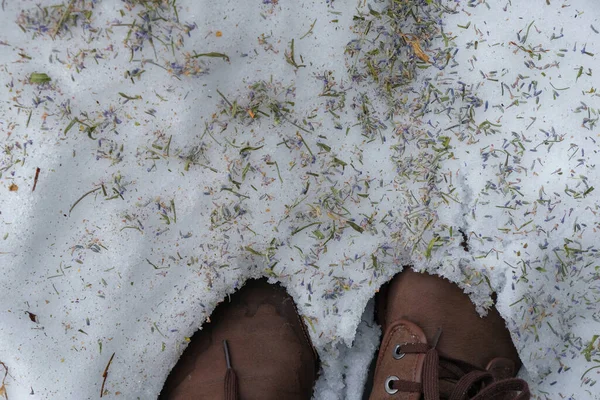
x=234, y=141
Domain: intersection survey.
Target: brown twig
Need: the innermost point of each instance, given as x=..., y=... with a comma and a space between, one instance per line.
x=35, y=180
x=105, y=374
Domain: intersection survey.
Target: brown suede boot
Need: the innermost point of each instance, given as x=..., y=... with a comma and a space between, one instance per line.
x=436, y=346
x=255, y=347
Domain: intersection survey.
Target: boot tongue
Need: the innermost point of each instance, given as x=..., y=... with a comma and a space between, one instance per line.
x=446, y=388
x=450, y=373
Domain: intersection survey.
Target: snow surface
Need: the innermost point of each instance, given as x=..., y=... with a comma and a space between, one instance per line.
x=136, y=267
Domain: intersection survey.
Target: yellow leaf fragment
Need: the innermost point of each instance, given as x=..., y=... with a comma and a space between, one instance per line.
x=419, y=51
x=416, y=45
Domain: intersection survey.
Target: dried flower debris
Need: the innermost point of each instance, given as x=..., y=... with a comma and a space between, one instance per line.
x=201, y=157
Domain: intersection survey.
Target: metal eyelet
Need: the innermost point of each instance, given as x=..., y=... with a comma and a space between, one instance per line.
x=397, y=354
x=388, y=384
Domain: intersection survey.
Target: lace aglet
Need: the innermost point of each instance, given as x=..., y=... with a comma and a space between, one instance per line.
x=231, y=385
x=227, y=359
x=436, y=338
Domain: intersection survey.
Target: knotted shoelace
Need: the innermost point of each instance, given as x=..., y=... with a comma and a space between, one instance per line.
x=470, y=382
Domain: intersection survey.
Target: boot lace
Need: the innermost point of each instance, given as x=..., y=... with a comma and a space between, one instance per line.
x=464, y=381
x=231, y=384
